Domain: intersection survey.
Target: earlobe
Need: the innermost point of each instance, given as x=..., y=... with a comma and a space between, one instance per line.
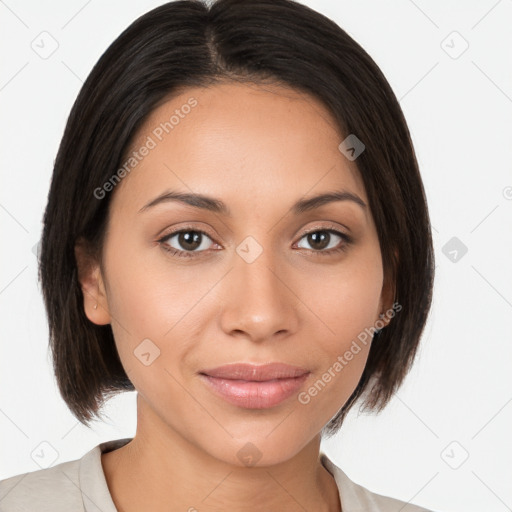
x=92, y=286
x=95, y=299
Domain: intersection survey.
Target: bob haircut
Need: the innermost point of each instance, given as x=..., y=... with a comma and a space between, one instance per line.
x=187, y=43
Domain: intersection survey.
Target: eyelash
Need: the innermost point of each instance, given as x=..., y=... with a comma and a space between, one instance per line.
x=346, y=241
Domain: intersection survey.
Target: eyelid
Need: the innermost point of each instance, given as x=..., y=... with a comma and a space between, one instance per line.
x=332, y=227
x=167, y=232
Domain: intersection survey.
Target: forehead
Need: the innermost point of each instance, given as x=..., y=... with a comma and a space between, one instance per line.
x=240, y=142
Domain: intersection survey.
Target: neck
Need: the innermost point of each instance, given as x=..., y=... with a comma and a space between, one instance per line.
x=160, y=469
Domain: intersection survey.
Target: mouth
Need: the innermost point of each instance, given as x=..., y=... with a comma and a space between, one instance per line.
x=256, y=372
x=255, y=386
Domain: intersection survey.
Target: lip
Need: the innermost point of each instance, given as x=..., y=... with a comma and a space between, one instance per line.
x=256, y=372
x=255, y=386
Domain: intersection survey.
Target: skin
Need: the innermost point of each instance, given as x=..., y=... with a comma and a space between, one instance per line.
x=258, y=149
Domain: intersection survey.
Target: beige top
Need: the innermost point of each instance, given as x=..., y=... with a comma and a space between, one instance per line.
x=80, y=486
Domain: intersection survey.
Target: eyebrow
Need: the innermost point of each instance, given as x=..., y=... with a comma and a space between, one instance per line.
x=214, y=205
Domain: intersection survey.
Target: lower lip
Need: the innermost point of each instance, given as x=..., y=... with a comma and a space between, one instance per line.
x=252, y=394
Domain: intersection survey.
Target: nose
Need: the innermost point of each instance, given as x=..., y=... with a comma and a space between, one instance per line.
x=259, y=299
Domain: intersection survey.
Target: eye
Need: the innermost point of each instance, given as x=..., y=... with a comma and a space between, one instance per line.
x=187, y=241
x=322, y=239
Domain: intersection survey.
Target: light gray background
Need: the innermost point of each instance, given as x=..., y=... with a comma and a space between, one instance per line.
x=456, y=403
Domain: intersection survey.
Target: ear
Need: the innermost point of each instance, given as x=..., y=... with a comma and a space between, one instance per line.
x=92, y=285
x=387, y=296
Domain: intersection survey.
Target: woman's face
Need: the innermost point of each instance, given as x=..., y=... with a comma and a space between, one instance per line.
x=255, y=288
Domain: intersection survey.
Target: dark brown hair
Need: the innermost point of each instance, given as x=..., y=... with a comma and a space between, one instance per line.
x=187, y=44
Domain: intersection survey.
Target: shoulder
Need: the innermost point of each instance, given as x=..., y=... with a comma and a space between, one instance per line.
x=53, y=489
x=73, y=486
x=356, y=498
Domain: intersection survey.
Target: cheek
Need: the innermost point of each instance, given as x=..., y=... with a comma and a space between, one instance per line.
x=146, y=292
x=153, y=298
x=347, y=301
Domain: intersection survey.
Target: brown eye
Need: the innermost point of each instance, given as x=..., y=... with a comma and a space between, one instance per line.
x=189, y=240
x=319, y=240
x=323, y=239
x=185, y=241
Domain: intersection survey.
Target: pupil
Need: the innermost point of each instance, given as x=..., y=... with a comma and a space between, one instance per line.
x=314, y=238
x=190, y=241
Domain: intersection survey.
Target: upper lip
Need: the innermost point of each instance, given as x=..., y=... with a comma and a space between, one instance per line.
x=262, y=372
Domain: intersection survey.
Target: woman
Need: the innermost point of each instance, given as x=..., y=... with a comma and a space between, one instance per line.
x=236, y=229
